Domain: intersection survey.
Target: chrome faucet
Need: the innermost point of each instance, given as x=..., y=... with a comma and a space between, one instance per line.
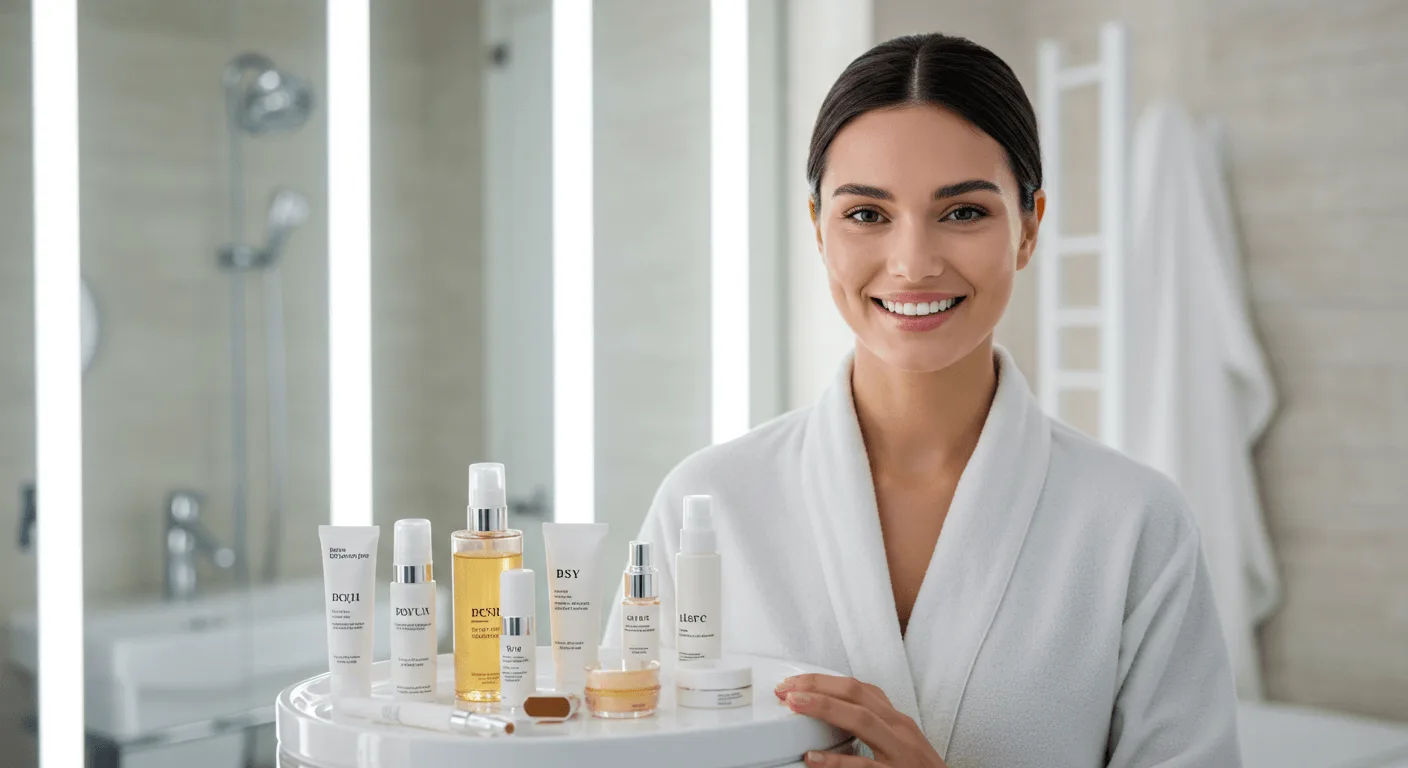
x=185, y=538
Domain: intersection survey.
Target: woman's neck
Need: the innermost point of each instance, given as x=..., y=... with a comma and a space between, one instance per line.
x=914, y=422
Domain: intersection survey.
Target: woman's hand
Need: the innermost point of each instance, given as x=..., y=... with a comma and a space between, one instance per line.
x=865, y=711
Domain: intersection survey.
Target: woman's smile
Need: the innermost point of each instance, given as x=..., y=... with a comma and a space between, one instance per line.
x=917, y=312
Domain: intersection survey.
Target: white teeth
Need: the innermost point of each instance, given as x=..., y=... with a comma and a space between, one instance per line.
x=919, y=309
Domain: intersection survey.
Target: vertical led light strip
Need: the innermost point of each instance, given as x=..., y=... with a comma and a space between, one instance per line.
x=728, y=215
x=349, y=261
x=58, y=372
x=573, y=352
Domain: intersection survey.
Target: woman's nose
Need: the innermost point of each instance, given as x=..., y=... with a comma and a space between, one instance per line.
x=915, y=253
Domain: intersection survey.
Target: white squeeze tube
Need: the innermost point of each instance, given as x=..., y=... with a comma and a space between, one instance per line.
x=349, y=586
x=574, y=578
x=698, y=588
x=414, y=646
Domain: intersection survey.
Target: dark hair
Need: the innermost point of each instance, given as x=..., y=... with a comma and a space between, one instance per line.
x=943, y=70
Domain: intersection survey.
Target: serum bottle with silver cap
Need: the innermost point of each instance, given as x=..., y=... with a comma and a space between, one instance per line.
x=518, y=652
x=640, y=608
x=413, y=637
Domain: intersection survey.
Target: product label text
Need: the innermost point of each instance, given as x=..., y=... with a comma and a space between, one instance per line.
x=341, y=553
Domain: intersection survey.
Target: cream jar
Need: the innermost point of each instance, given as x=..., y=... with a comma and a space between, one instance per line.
x=713, y=684
x=623, y=691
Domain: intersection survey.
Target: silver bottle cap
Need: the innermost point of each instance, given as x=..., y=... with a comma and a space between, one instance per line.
x=493, y=519
x=640, y=573
x=413, y=574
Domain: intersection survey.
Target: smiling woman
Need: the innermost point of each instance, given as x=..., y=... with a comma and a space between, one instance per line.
x=998, y=589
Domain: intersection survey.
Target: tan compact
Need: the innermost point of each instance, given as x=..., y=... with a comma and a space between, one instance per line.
x=623, y=690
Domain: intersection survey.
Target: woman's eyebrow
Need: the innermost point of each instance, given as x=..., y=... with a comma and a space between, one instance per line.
x=948, y=190
x=864, y=190
x=963, y=187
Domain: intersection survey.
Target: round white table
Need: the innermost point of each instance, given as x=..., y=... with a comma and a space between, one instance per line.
x=312, y=734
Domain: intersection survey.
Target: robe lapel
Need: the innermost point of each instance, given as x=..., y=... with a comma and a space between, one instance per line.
x=977, y=550
x=841, y=507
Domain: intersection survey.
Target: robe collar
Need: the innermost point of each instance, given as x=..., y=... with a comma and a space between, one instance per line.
x=972, y=562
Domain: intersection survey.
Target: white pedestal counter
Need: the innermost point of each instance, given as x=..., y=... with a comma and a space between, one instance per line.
x=763, y=735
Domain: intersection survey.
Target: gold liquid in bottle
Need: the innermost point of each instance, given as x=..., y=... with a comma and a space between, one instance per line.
x=477, y=620
x=482, y=552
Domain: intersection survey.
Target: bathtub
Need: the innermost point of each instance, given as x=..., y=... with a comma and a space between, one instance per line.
x=1288, y=736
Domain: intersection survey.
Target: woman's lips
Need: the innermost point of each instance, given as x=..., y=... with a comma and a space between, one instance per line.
x=918, y=323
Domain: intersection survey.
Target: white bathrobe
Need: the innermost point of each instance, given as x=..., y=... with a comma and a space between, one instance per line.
x=1065, y=619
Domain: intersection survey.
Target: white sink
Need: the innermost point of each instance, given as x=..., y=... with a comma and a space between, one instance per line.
x=153, y=665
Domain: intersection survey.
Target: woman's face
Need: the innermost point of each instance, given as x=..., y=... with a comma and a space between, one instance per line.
x=921, y=230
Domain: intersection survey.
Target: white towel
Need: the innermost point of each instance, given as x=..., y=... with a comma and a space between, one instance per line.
x=1199, y=394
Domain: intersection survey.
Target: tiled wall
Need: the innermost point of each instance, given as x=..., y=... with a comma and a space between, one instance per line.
x=154, y=211
x=652, y=247
x=428, y=380
x=1317, y=139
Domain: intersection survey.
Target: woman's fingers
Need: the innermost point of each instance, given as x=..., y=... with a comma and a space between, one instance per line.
x=847, y=688
x=864, y=711
x=833, y=760
x=844, y=688
x=857, y=719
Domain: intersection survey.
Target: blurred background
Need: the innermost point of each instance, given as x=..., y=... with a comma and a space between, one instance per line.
x=204, y=190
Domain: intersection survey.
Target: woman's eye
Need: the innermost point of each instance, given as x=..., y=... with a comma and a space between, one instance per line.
x=865, y=216
x=966, y=213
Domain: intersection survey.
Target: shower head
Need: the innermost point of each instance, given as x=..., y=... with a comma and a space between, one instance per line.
x=288, y=210
x=262, y=99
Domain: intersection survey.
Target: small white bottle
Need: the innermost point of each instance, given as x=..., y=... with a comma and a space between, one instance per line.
x=518, y=652
x=699, y=623
x=414, y=643
x=640, y=607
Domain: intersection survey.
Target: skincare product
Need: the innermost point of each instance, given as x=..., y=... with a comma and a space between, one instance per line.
x=349, y=586
x=414, y=646
x=551, y=705
x=623, y=690
x=640, y=608
x=518, y=652
x=480, y=553
x=713, y=684
x=419, y=714
x=573, y=551
x=698, y=625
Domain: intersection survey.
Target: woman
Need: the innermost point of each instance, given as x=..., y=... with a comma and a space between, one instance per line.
x=1001, y=590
